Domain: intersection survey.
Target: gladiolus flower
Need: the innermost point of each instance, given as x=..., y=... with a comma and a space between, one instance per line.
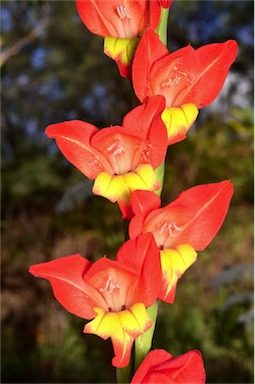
x=113, y=293
x=160, y=367
x=121, y=24
x=181, y=228
x=120, y=159
x=189, y=79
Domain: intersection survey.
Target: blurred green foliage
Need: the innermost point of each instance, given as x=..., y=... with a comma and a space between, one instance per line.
x=55, y=70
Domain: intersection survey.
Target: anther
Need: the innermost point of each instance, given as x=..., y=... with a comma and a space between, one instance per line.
x=171, y=226
x=174, y=77
x=116, y=148
x=110, y=286
x=123, y=12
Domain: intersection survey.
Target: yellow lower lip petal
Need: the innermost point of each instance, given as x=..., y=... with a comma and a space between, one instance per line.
x=174, y=263
x=178, y=120
x=120, y=49
x=122, y=327
x=119, y=187
x=114, y=188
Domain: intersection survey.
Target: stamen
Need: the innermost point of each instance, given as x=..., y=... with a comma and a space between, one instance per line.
x=172, y=81
x=174, y=77
x=109, y=286
x=116, y=148
x=123, y=12
x=171, y=226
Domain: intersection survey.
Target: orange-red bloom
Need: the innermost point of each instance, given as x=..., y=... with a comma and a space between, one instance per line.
x=113, y=293
x=181, y=228
x=189, y=78
x=160, y=367
x=121, y=23
x=120, y=159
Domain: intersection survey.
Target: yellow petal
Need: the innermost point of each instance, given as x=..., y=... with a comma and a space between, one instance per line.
x=119, y=187
x=143, y=179
x=120, y=49
x=178, y=120
x=174, y=263
x=105, y=324
x=114, y=188
x=135, y=321
x=122, y=327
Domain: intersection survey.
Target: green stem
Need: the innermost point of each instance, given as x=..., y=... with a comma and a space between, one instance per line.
x=143, y=343
x=162, y=27
x=160, y=173
x=124, y=374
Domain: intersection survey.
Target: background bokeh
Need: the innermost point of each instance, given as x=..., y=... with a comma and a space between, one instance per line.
x=54, y=69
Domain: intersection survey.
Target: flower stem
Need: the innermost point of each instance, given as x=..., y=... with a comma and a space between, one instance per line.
x=160, y=173
x=143, y=343
x=162, y=27
x=124, y=374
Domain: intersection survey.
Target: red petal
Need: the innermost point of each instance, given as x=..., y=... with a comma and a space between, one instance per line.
x=73, y=139
x=66, y=277
x=166, y=3
x=145, y=122
x=160, y=367
x=143, y=202
x=215, y=61
x=149, y=51
x=139, y=120
x=104, y=263
x=95, y=17
x=142, y=255
x=126, y=210
x=151, y=361
x=187, y=368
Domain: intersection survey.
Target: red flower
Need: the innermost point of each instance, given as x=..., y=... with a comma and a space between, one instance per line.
x=185, y=226
x=160, y=367
x=189, y=79
x=120, y=159
x=113, y=293
x=121, y=23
